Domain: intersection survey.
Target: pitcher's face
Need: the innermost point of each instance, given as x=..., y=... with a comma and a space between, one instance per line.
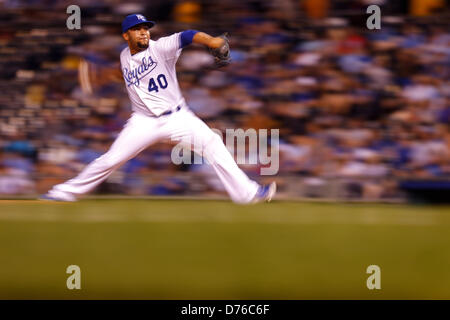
x=138, y=37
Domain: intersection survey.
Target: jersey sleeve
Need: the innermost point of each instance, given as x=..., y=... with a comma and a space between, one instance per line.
x=122, y=62
x=170, y=47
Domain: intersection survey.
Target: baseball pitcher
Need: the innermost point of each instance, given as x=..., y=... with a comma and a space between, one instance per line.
x=161, y=112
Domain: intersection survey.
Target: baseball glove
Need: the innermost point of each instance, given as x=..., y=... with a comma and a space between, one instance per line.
x=221, y=54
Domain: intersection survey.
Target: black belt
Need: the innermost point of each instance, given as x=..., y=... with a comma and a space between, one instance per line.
x=166, y=113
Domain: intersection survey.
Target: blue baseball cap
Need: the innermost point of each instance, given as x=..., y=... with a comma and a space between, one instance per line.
x=133, y=20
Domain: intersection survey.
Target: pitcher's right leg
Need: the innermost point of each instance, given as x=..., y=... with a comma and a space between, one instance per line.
x=139, y=133
x=186, y=127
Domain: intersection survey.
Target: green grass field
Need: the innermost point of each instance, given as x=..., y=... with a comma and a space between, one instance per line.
x=186, y=249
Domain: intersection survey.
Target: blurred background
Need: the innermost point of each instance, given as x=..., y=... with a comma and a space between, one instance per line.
x=363, y=114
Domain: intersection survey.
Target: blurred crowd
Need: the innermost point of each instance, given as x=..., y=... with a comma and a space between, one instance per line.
x=366, y=107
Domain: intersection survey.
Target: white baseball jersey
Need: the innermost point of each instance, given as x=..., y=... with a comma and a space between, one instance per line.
x=151, y=78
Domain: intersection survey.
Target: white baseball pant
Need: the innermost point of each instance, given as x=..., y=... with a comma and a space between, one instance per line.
x=140, y=132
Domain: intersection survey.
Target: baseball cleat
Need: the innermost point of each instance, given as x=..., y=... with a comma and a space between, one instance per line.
x=47, y=197
x=265, y=193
